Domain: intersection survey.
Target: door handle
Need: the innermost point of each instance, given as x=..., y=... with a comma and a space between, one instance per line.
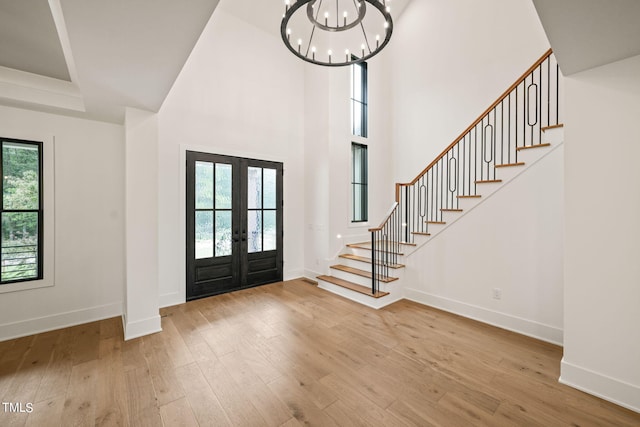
x=244, y=235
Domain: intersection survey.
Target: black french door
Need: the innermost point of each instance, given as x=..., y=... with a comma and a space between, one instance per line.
x=234, y=223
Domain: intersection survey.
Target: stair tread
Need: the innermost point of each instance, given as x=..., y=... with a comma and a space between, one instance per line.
x=508, y=165
x=451, y=210
x=352, y=286
x=477, y=196
x=367, y=260
x=527, y=147
x=488, y=181
x=546, y=128
x=420, y=233
x=362, y=273
x=367, y=246
x=436, y=222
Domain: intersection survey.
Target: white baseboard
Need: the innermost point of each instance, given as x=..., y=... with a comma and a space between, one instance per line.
x=607, y=388
x=293, y=274
x=310, y=274
x=57, y=321
x=172, y=298
x=142, y=327
x=522, y=326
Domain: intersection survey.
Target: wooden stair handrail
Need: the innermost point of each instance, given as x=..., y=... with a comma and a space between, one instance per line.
x=475, y=123
x=386, y=218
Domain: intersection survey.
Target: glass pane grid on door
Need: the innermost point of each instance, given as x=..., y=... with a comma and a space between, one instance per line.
x=262, y=209
x=213, y=215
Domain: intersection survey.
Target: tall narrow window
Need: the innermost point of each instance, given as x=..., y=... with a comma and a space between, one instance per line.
x=21, y=222
x=359, y=99
x=359, y=179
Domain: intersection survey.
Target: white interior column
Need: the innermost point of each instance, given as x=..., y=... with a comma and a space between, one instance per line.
x=141, y=315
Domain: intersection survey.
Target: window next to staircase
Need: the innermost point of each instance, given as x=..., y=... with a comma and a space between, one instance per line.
x=359, y=99
x=21, y=224
x=359, y=179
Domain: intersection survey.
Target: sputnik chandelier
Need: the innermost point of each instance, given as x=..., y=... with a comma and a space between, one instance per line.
x=336, y=32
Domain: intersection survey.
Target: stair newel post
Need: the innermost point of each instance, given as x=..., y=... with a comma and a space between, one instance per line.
x=373, y=262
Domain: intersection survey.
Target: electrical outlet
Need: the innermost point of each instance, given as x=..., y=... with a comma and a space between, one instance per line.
x=497, y=293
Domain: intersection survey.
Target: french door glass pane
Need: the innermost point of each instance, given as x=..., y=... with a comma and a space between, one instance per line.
x=224, y=186
x=254, y=188
x=19, y=245
x=204, y=234
x=223, y=233
x=269, y=188
x=204, y=185
x=20, y=169
x=254, y=236
x=270, y=230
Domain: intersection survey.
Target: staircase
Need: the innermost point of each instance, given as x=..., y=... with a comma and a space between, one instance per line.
x=521, y=127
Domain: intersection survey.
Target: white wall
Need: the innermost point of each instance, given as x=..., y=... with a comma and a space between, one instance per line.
x=89, y=224
x=512, y=241
x=328, y=159
x=240, y=93
x=451, y=60
x=602, y=272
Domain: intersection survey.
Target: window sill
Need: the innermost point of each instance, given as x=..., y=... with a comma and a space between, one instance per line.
x=25, y=286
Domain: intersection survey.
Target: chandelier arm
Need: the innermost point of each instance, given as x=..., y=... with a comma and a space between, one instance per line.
x=365, y=37
x=318, y=11
x=313, y=30
x=337, y=13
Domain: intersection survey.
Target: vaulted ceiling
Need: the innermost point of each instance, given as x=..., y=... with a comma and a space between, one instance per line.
x=91, y=58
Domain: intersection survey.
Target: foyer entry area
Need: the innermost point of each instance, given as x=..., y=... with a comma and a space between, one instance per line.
x=234, y=223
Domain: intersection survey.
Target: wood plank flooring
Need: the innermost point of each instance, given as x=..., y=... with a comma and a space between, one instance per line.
x=290, y=354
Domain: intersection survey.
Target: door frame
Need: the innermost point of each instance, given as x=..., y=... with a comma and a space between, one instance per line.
x=180, y=297
x=241, y=165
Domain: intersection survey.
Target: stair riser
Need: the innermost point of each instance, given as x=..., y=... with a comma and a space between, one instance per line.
x=355, y=264
x=350, y=277
x=367, y=253
x=553, y=136
x=507, y=174
x=354, y=296
x=531, y=155
x=364, y=281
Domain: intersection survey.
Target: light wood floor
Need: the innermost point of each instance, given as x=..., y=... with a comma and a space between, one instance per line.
x=291, y=354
